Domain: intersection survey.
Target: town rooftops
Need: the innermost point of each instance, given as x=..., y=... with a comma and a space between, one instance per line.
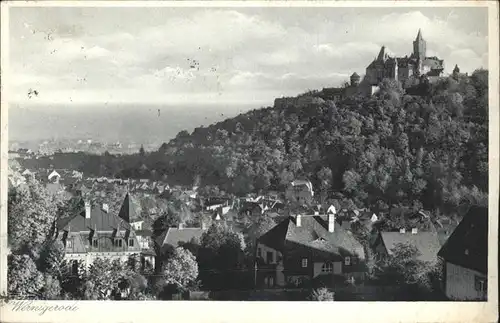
x=468, y=244
x=427, y=243
x=313, y=233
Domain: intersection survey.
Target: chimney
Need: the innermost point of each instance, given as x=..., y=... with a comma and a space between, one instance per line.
x=105, y=207
x=414, y=231
x=402, y=230
x=298, y=220
x=331, y=222
x=87, y=210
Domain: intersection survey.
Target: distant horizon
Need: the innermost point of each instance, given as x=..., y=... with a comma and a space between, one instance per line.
x=141, y=123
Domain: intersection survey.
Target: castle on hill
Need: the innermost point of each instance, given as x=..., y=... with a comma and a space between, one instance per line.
x=404, y=68
x=408, y=70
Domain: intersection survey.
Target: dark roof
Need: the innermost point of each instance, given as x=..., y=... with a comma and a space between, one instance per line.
x=99, y=220
x=427, y=243
x=175, y=236
x=313, y=233
x=128, y=211
x=471, y=237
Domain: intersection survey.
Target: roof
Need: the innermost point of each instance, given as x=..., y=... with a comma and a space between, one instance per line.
x=128, y=210
x=313, y=233
x=99, y=221
x=471, y=235
x=175, y=236
x=301, y=182
x=419, y=35
x=427, y=243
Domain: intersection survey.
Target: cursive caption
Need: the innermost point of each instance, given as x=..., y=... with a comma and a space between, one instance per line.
x=40, y=308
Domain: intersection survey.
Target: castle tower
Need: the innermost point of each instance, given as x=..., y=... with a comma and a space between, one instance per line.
x=419, y=47
x=355, y=79
x=382, y=55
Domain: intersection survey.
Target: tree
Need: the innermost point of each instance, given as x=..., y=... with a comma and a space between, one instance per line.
x=51, y=289
x=322, y=295
x=102, y=279
x=24, y=279
x=220, y=257
x=51, y=257
x=31, y=214
x=142, y=152
x=403, y=268
x=181, y=269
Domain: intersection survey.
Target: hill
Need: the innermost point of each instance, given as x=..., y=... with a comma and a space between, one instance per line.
x=427, y=148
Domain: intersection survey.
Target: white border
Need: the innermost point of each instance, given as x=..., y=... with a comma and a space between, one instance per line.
x=109, y=311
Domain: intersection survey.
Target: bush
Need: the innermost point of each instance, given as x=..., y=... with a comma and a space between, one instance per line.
x=322, y=295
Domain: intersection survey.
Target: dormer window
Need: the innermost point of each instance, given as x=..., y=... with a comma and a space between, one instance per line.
x=130, y=242
x=95, y=243
x=480, y=284
x=347, y=261
x=118, y=243
x=69, y=244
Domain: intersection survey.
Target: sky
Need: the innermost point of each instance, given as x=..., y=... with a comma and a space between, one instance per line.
x=220, y=55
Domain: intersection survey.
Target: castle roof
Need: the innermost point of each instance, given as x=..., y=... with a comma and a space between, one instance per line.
x=419, y=35
x=382, y=54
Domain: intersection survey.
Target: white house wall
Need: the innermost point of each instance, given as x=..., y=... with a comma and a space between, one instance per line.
x=265, y=249
x=460, y=283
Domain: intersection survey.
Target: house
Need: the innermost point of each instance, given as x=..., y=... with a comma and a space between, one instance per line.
x=300, y=191
x=54, y=177
x=215, y=203
x=93, y=232
x=304, y=249
x=465, y=258
x=176, y=237
x=427, y=243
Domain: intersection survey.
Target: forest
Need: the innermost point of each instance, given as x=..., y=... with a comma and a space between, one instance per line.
x=425, y=146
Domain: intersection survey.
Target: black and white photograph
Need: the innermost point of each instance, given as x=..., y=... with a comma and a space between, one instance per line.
x=248, y=153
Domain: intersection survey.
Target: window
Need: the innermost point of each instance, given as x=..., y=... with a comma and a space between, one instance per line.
x=347, y=261
x=95, y=243
x=327, y=267
x=480, y=284
x=118, y=243
x=69, y=244
x=270, y=257
x=74, y=267
x=130, y=242
x=304, y=262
